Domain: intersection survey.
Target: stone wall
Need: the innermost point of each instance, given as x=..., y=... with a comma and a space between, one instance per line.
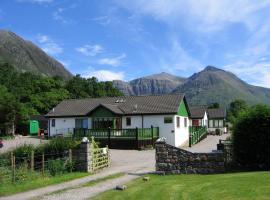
x=82, y=157
x=172, y=160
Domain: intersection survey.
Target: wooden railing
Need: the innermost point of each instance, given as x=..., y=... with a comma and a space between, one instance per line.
x=138, y=136
x=196, y=133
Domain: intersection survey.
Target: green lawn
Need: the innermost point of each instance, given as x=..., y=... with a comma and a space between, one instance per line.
x=9, y=188
x=240, y=186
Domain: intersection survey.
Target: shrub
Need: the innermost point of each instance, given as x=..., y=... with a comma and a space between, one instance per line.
x=251, y=138
x=56, y=167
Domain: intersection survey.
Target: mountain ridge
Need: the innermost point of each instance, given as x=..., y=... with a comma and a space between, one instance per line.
x=25, y=56
x=202, y=88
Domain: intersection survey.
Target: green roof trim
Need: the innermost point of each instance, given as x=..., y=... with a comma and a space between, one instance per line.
x=102, y=112
x=182, y=110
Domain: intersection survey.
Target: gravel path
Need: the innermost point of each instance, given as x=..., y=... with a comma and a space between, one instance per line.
x=18, y=141
x=207, y=145
x=127, y=161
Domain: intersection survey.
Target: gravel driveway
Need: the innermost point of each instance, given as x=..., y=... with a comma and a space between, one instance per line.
x=18, y=141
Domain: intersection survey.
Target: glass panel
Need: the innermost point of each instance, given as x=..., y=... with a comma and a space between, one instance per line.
x=220, y=123
x=178, y=122
x=185, y=122
x=168, y=120
x=211, y=123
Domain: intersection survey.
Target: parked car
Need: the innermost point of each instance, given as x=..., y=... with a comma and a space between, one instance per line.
x=1, y=143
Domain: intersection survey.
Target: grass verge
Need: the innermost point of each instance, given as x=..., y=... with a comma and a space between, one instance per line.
x=12, y=188
x=240, y=186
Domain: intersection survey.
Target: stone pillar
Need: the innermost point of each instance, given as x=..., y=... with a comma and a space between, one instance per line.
x=83, y=157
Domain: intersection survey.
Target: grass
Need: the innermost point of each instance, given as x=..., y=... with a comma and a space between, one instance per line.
x=240, y=186
x=10, y=188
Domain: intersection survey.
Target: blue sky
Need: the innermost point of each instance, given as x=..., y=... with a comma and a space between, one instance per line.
x=126, y=39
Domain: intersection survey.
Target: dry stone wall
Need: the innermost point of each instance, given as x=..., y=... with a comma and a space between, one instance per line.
x=172, y=160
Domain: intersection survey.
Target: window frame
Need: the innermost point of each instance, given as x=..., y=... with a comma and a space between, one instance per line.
x=168, y=120
x=128, y=121
x=185, y=122
x=178, y=122
x=53, y=123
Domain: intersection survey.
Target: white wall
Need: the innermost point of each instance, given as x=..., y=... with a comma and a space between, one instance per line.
x=174, y=136
x=182, y=132
x=61, y=125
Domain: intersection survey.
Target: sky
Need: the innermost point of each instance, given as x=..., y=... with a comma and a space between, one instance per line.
x=127, y=39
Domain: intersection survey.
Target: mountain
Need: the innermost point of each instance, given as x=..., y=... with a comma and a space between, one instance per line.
x=162, y=83
x=216, y=85
x=26, y=56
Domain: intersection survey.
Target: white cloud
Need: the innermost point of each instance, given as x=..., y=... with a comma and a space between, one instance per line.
x=37, y=1
x=203, y=15
x=48, y=45
x=257, y=73
x=90, y=50
x=57, y=15
x=104, y=75
x=116, y=61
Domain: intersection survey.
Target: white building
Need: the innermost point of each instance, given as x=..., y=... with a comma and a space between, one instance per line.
x=169, y=113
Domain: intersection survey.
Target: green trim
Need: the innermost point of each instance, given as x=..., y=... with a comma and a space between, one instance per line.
x=182, y=110
x=102, y=112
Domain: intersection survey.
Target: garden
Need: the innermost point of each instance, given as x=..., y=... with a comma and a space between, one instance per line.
x=28, y=167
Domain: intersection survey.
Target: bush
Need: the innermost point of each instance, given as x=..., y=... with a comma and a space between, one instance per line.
x=56, y=167
x=251, y=138
x=59, y=145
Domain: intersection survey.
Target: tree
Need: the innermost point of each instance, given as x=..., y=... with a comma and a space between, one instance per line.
x=251, y=138
x=9, y=107
x=235, y=109
x=214, y=105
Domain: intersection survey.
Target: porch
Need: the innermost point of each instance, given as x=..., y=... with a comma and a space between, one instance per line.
x=136, y=138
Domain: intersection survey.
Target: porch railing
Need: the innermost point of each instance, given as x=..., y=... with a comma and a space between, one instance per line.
x=139, y=136
x=196, y=133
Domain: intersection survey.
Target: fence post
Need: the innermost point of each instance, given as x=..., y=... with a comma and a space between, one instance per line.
x=43, y=164
x=84, y=132
x=13, y=165
x=137, y=138
x=70, y=159
x=108, y=155
x=152, y=135
x=32, y=161
x=109, y=137
x=190, y=138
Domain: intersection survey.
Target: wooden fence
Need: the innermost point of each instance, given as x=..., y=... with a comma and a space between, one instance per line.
x=136, y=138
x=196, y=134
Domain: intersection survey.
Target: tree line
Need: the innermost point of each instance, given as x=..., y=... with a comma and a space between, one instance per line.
x=25, y=94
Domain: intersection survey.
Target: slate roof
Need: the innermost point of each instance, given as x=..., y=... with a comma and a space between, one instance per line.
x=215, y=113
x=197, y=112
x=130, y=105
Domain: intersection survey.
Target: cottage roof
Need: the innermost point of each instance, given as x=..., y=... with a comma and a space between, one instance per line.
x=215, y=113
x=197, y=112
x=129, y=105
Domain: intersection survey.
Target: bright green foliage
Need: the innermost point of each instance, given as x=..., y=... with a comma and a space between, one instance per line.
x=235, y=186
x=236, y=108
x=251, y=138
x=81, y=88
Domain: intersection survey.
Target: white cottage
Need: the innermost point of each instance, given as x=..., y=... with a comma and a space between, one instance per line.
x=168, y=112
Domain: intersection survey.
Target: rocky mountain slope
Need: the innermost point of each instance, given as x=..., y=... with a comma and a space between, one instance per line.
x=162, y=83
x=26, y=56
x=216, y=85
x=203, y=88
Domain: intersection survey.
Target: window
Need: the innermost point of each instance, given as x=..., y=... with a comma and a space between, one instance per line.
x=220, y=123
x=216, y=123
x=128, y=121
x=210, y=123
x=81, y=123
x=168, y=120
x=178, y=122
x=53, y=122
x=185, y=121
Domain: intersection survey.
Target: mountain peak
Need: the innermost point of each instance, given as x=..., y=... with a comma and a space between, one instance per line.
x=211, y=68
x=25, y=56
